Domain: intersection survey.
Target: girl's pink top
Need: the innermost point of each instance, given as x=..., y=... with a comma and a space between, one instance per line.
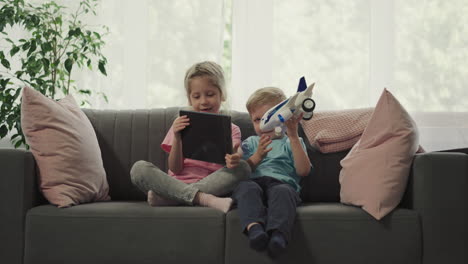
x=195, y=170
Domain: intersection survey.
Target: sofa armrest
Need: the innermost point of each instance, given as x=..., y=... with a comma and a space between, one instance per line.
x=438, y=191
x=18, y=193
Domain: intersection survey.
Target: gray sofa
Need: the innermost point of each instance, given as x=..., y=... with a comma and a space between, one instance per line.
x=430, y=226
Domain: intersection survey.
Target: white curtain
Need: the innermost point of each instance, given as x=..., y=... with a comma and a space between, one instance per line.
x=150, y=46
x=352, y=49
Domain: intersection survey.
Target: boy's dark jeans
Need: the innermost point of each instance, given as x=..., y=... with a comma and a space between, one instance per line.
x=268, y=201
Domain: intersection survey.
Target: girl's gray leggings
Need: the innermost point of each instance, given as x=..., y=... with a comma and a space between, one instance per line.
x=146, y=176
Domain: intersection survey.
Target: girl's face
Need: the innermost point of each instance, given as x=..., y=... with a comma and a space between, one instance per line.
x=204, y=96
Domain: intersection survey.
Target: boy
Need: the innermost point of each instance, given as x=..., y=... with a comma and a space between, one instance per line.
x=267, y=202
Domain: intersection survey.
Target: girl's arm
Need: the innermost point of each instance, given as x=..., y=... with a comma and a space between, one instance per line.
x=232, y=160
x=176, y=157
x=301, y=160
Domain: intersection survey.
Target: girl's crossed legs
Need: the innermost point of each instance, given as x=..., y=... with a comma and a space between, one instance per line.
x=147, y=177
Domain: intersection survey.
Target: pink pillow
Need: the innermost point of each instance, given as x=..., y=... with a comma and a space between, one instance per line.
x=65, y=148
x=333, y=131
x=374, y=174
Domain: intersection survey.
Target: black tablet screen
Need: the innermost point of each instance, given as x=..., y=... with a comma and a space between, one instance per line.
x=208, y=137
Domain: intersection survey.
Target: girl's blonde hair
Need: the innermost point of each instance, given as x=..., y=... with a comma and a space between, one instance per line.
x=266, y=95
x=209, y=69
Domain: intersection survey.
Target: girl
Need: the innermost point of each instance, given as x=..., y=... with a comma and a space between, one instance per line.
x=188, y=181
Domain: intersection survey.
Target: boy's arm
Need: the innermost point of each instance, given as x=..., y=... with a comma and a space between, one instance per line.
x=261, y=152
x=301, y=160
x=253, y=161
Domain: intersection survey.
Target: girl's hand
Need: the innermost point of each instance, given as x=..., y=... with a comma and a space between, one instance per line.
x=179, y=124
x=291, y=125
x=263, y=149
x=232, y=160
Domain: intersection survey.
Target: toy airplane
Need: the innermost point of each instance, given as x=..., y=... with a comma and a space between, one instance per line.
x=299, y=103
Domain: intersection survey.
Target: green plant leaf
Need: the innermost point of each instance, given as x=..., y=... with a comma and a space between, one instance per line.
x=58, y=20
x=54, y=45
x=6, y=63
x=15, y=136
x=87, y=92
x=19, y=74
x=3, y=83
x=14, y=50
x=68, y=65
x=102, y=67
x=46, y=47
x=26, y=45
x=105, y=97
x=46, y=64
x=3, y=131
x=32, y=48
x=18, y=143
x=71, y=32
x=17, y=93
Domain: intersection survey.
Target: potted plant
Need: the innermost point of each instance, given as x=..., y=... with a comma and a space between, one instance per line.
x=57, y=42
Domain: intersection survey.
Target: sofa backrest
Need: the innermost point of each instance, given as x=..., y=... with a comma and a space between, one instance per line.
x=127, y=136
x=322, y=184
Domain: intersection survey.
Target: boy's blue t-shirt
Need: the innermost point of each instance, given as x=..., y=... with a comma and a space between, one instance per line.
x=279, y=162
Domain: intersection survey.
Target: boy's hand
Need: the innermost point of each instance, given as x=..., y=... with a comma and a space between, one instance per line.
x=179, y=124
x=261, y=152
x=232, y=160
x=291, y=125
x=263, y=149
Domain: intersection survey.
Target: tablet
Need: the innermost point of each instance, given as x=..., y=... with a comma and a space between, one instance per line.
x=207, y=138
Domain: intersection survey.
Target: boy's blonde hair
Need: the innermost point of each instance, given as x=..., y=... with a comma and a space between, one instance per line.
x=266, y=95
x=210, y=69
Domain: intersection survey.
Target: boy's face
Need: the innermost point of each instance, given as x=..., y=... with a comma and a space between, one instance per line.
x=204, y=96
x=256, y=116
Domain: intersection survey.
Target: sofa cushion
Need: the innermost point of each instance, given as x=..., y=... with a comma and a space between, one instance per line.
x=65, y=148
x=335, y=233
x=123, y=232
x=128, y=136
x=242, y=120
x=322, y=184
x=376, y=170
x=334, y=131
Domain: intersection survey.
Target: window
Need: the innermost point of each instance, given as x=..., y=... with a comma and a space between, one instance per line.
x=352, y=49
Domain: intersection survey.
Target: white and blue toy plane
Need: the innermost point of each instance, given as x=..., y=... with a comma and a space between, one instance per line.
x=299, y=103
